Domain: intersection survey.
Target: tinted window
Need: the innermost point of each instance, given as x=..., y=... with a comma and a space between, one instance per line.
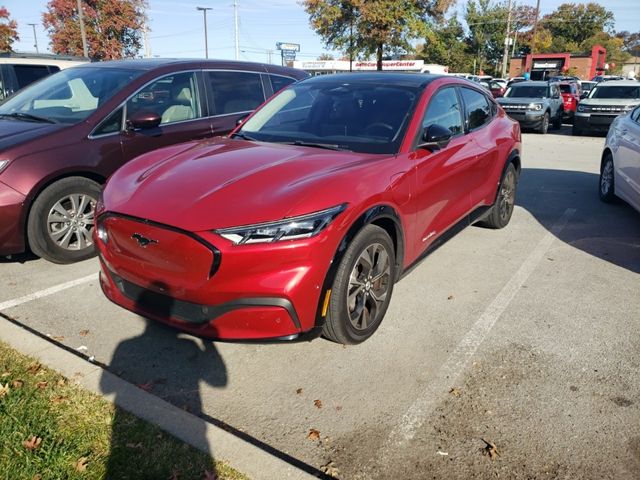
x=526, y=91
x=235, y=92
x=616, y=91
x=477, y=106
x=444, y=109
x=566, y=88
x=71, y=95
x=27, y=74
x=278, y=82
x=635, y=116
x=173, y=97
x=112, y=124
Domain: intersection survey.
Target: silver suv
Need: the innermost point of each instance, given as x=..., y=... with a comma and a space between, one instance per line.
x=534, y=104
x=605, y=102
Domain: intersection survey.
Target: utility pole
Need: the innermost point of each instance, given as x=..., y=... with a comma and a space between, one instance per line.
x=35, y=38
x=535, y=28
x=206, y=43
x=235, y=22
x=83, y=34
x=505, y=55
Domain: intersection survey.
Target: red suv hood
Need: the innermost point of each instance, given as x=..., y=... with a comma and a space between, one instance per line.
x=225, y=183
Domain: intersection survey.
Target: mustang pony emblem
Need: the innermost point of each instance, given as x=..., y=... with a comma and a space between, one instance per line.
x=142, y=240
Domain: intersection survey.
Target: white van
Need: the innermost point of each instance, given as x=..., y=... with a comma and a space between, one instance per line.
x=19, y=70
x=435, y=68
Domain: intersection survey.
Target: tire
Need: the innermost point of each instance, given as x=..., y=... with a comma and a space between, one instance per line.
x=575, y=131
x=352, y=318
x=501, y=212
x=606, y=184
x=544, y=126
x=61, y=220
x=557, y=122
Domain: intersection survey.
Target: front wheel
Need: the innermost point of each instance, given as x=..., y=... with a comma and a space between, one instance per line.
x=607, y=185
x=61, y=220
x=501, y=212
x=362, y=289
x=544, y=126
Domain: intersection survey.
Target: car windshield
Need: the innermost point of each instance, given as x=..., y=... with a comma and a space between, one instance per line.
x=616, y=91
x=526, y=91
x=69, y=96
x=360, y=117
x=564, y=88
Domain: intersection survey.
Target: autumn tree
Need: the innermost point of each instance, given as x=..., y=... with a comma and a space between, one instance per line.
x=363, y=28
x=8, y=30
x=113, y=27
x=571, y=24
x=630, y=42
x=444, y=45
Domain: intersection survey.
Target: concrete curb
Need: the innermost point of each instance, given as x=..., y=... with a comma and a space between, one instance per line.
x=222, y=445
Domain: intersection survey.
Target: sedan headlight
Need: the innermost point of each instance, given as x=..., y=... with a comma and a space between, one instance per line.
x=293, y=228
x=3, y=163
x=535, y=106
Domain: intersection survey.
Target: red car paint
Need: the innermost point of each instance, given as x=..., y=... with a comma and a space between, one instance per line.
x=163, y=257
x=570, y=92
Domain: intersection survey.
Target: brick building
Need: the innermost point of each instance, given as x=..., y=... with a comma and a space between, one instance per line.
x=544, y=65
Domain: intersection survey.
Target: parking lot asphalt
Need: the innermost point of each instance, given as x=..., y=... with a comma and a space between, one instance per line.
x=526, y=338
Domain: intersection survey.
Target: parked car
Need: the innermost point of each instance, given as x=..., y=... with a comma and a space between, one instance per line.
x=606, y=78
x=19, y=70
x=304, y=219
x=534, y=104
x=63, y=136
x=585, y=87
x=605, y=102
x=515, y=80
x=570, y=92
x=620, y=165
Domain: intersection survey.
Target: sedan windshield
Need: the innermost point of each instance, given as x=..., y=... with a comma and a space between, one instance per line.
x=69, y=96
x=616, y=91
x=361, y=117
x=526, y=91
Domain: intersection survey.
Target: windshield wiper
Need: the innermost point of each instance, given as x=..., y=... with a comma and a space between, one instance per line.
x=28, y=116
x=327, y=146
x=244, y=136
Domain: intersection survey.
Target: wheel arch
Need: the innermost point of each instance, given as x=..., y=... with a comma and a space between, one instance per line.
x=605, y=152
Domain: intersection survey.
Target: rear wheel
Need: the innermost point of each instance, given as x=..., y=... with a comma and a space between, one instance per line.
x=544, y=126
x=607, y=185
x=362, y=289
x=61, y=220
x=557, y=122
x=501, y=212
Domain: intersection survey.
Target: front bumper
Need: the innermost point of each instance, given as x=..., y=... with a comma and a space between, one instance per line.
x=527, y=119
x=12, y=204
x=226, y=291
x=593, y=122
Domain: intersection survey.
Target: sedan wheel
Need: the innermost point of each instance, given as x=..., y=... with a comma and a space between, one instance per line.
x=362, y=288
x=61, y=220
x=500, y=214
x=607, y=186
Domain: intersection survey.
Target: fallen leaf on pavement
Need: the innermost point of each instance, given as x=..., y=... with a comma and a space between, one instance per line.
x=450, y=297
x=62, y=382
x=32, y=443
x=59, y=399
x=299, y=391
x=317, y=403
x=42, y=385
x=313, y=434
x=17, y=384
x=330, y=469
x=145, y=386
x=84, y=333
x=58, y=338
x=490, y=449
x=455, y=392
x=34, y=367
x=4, y=390
x=81, y=464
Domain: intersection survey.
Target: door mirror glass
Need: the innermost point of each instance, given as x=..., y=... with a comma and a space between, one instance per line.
x=435, y=137
x=143, y=119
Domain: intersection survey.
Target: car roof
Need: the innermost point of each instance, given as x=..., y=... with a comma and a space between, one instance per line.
x=619, y=83
x=381, y=78
x=534, y=83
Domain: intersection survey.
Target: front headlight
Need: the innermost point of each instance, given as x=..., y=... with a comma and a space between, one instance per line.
x=3, y=163
x=293, y=228
x=535, y=106
x=581, y=108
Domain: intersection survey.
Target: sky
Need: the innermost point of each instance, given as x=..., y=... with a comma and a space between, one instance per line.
x=177, y=28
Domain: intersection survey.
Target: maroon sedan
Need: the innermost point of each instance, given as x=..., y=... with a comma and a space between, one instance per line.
x=63, y=136
x=304, y=219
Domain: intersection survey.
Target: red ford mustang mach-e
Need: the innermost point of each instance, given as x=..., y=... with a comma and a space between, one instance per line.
x=302, y=221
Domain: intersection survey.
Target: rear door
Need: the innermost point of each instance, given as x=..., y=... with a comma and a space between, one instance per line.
x=628, y=158
x=178, y=99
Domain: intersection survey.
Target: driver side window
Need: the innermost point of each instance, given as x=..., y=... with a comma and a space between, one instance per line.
x=444, y=110
x=173, y=97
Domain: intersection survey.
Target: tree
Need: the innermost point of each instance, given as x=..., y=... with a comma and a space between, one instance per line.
x=326, y=56
x=571, y=24
x=630, y=42
x=8, y=31
x=614, y=47
x=113, y=27
x=362, y=27
x=487, y=22
x=444, y=45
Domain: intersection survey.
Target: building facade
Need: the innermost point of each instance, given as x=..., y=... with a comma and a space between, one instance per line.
x=544, y=65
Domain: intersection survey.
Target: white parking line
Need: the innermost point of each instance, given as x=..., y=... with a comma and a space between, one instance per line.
x=47, y=291
x=415, y=416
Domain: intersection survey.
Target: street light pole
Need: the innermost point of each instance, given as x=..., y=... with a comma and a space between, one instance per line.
x=505, y=54
x=206, y=43
x=34, y=35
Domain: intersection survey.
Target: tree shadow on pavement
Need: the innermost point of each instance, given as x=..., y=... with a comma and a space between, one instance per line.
x=610, y=232
x=172, y=366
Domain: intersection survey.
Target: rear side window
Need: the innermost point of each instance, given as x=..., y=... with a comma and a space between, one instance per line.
x=27, y=74
x=235, y=92
x=478, y=110
x=278, y=82
x=444, y=109
x=635, y=115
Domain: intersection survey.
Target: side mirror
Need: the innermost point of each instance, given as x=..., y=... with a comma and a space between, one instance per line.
x=142, y=120
x=584, y=94
x=435, y=137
